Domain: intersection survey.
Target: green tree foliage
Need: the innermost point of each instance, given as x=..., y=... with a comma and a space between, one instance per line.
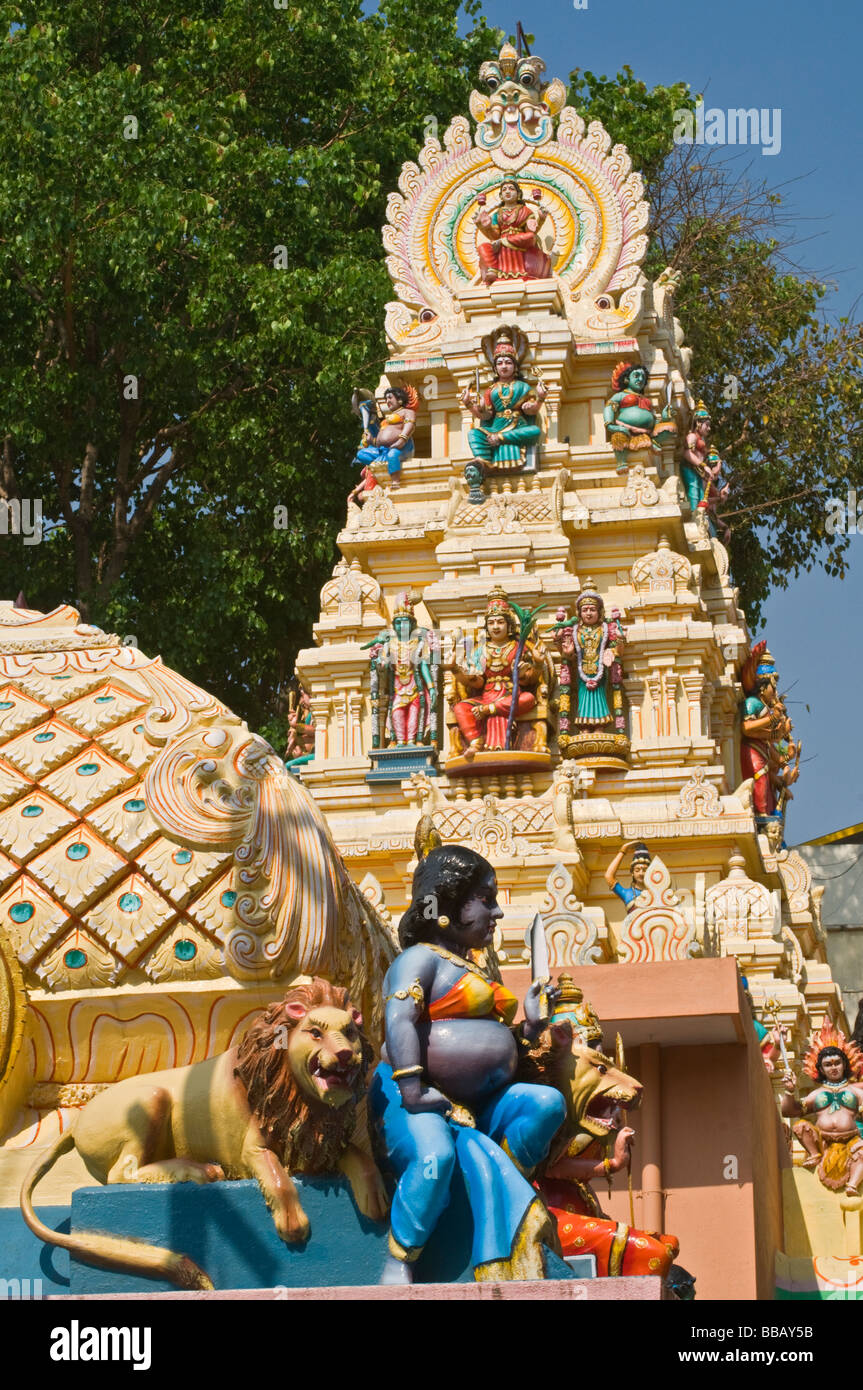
x=192, y=281
x=783, y=383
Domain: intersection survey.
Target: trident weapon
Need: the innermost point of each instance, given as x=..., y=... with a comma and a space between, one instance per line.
x=771, y=1006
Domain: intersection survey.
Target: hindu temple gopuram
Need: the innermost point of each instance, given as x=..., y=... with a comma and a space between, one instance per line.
x=508, y=974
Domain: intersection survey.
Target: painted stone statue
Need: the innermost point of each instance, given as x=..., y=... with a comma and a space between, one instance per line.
x=518, y=109
x=387, y=431
x=300, y=748
x=591, y=723
x=833, y=1136
x=493, y=691
x=505, y=438
x=594, y=1143
x=446, y=1095
x=633, y=424
x=404, y=688
x=641, y=858
x=768, y=752
x=284, y=1101
x=694, y=462
x=509, y=247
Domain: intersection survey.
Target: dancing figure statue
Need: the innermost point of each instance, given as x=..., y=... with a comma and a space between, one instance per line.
x=768, y=752
x=387, y=432
x=506, y=430
x=403, y=684
x=509, y=247
x=832, y=1138
x=631, y=418
x=445, y=1095
x=590, y=699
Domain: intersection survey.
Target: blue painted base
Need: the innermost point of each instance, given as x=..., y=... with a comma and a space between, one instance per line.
x=397, y=764
x=226, y=1229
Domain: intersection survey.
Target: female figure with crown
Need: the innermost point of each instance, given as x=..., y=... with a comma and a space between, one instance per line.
x=767, y=753
x=592, y=645
x=833, y=1142
x=482, y=716
x=512, y=250
x=506, y=408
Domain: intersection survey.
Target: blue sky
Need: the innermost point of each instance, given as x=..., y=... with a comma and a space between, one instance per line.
x=801, y=58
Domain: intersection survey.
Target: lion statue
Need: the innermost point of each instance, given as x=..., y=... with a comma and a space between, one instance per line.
x=284, y=1101
x=594, y=1142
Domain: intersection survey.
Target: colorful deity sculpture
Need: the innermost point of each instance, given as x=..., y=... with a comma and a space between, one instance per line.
x=591, y=722
x=768, y=753
x=594, y=1143
x=387, y=431
x=505, y=438
x=641, y=858
x=300, y=746
x=520, y=105
x=633, y=425
x=445, y=1095
x=497, y=687
x=832, y=1138
x=509, y=247
x=404, y=687
x=701, y=470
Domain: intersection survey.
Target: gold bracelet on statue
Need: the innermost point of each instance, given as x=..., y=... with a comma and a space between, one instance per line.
x=408, y=1071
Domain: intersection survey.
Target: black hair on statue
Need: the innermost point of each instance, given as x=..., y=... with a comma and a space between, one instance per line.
x=832, y=1052
x=443, y=881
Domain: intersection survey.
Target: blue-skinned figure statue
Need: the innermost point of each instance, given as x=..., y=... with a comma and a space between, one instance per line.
x=445, y=1095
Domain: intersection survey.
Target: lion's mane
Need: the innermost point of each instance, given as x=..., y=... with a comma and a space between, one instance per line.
x=308, y=1137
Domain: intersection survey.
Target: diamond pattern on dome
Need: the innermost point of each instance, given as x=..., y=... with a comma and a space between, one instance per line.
x=179, y=870
x=32, y=822
x=102, y=708
x=214, y=909
x=30, y=917
x=88, y=779
x=18, y=711
x=128, y=743
x=58, y=688
x=125, y=820
x=12, y=784
x=39, y=751
x=77, y=961
x=77, y=867
x=184, y=953
x=129, y=916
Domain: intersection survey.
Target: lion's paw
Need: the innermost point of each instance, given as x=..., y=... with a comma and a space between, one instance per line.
x=372, y=1198
x=215, y=1172
x=293, y=1226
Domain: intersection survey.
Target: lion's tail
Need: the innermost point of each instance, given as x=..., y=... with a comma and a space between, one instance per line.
x=107, y=1252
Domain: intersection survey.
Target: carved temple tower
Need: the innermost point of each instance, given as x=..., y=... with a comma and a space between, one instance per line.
x=565, y=517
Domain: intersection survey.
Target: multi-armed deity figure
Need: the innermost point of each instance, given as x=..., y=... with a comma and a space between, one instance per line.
x=768, y=754
x=497, y=685
x=631, y=419
x=591, y=722
x=832, y=1137
x=404, y=689
x=506, y=430
x=508, y=245
x=387, y=432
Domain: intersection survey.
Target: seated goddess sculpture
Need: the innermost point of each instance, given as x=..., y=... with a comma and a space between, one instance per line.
x=509, y=246
x=445, y=1094
x=505, y=412
x=503, y=672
